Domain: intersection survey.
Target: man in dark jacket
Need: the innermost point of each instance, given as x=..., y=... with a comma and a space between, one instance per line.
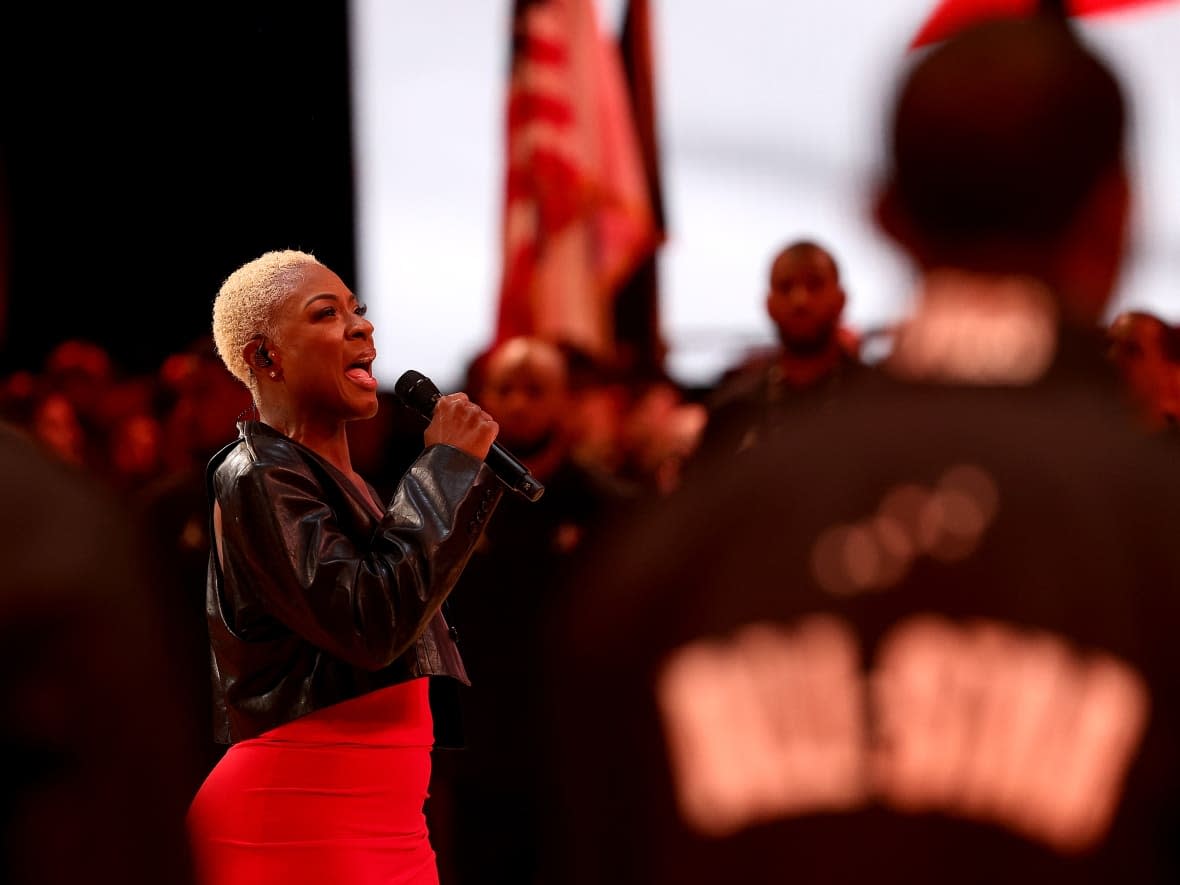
x=814, y=359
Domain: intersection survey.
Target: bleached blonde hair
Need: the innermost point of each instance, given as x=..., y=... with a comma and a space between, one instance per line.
x=247, y=304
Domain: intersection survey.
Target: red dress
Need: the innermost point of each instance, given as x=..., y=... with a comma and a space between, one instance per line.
x=332, y=797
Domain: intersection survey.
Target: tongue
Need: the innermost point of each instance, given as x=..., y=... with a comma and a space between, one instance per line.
x=361, y=377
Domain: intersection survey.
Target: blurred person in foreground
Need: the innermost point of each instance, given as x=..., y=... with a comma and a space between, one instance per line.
x=96, y=772
x=324, y=600
x=929, y=636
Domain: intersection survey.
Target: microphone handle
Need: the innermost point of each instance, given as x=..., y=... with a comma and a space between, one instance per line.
x=513, y=473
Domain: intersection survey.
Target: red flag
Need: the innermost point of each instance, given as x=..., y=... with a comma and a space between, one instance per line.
x=577, y=216
x=953, y=15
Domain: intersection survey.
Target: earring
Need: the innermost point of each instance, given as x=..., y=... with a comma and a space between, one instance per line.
x=274, y=374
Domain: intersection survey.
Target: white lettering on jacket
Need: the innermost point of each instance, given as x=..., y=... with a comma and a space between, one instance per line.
x=981, y=720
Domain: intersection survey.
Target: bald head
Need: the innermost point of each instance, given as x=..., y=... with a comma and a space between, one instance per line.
x=526, y=389
x=1003, y=131
x=1007, y=159
x=535, y=354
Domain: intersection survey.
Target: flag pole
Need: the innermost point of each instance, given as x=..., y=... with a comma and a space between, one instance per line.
x=637, y=314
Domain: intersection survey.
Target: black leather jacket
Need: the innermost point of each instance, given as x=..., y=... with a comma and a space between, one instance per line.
x=318, y=596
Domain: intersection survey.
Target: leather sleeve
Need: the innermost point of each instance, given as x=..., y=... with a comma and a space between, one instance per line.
x=363, y=602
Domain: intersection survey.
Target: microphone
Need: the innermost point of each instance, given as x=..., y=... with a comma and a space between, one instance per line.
x=417, y=392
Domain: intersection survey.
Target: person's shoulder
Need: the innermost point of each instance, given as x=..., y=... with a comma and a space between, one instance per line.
x=1065, y=430
x=739, y=386
x=261, y=458
x=258, y=447
x=850, y=368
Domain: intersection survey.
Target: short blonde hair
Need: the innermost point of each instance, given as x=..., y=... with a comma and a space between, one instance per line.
x=248, y=301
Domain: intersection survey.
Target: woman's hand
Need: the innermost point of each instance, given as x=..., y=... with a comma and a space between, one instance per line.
x=458, y=422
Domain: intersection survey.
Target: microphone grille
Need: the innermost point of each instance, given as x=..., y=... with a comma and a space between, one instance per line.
x=417, y=392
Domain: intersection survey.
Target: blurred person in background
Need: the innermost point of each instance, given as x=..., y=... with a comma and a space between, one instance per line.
x=135, y=451
x=660, y=432
x=1146, y=351
x=805, y=300
x=56, y=425
x=83, y=371
x=115, y=412
x=486, y=798
x=600, y=397
x=928, y=636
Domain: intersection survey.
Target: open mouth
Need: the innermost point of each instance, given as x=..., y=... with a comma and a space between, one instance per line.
x=361, y=372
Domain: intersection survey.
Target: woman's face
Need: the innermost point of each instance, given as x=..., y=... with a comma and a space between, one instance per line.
x=325, y=349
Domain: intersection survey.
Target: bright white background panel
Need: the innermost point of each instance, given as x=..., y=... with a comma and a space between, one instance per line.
x=428, y=98
x=770, y=118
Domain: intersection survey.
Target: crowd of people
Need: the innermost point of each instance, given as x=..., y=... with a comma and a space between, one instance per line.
x=823, y=620
x=144, y=434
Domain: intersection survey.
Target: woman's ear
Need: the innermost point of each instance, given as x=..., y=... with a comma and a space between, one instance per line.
x=256, y=354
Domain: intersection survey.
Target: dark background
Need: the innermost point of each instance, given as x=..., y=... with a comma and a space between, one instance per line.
x=147, y=152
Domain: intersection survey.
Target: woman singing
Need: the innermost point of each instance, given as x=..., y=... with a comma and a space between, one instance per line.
x=323, y=600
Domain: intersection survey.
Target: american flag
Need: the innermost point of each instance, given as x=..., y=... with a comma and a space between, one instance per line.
x=577, y=211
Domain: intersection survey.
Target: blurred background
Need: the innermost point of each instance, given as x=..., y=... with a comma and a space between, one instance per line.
x=146, y=156
x=769, y=121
